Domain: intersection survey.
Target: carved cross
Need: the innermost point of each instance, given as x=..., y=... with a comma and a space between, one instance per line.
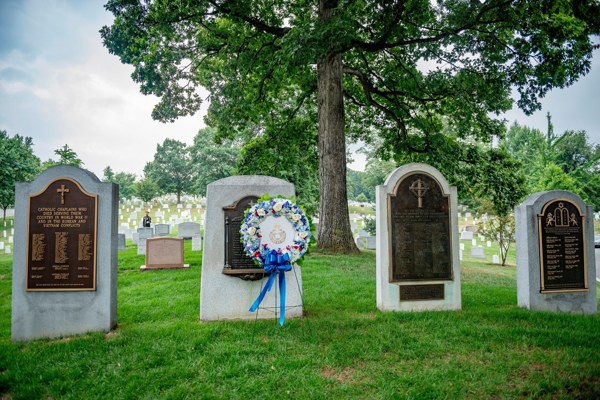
x=418, y=188
x=62, y=192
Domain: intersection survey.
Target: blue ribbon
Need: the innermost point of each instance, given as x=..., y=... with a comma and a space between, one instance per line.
x=277, y=265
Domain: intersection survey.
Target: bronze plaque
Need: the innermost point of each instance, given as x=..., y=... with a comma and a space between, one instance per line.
x=235, y=256
x=562, y=247
x=420, y=247
x=61, y=241
x=422, y=292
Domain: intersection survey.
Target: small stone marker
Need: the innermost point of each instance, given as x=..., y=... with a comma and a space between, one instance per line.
x=7, y=249
x=225, y=293
x=162, y=229
x=188, y=230
x=473, y=242
x=65, y=261
x=121, y=241
x=418, y=264
x=462, y=246
x=466, y=235
x=489, y=243
x=164, y=253
x=196, y=243
x=371, y=242
x=556, y=267
x=477, y=252
x=496, y=259
x=1, y=245
x=143, y=234
x=10, y=239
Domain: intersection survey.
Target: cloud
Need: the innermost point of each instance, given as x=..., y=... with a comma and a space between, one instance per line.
x=59, y=85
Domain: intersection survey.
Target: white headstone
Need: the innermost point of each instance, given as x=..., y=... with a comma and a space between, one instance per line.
x=121, y=241
x=556, y=266
x=496, y=259
x=473, y=242
x=466, y=235
x=462, y=246
x=418, y=265
x=10, y=239
x=477, y=252
x=1, y=245
x=196, y=243
x=224, y=296
x=162, y=229
x=489, y=243
x=7, y=249
x=188, y=230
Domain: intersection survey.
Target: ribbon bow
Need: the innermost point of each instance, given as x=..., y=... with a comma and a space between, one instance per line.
x=275, y=264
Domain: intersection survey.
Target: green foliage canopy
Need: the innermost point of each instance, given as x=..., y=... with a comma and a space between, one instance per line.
x=211, y=161
x=400, y=65
x=66, y=156
x=552, y=162
x=146, y=189
x=171, y=169
x=18, y=164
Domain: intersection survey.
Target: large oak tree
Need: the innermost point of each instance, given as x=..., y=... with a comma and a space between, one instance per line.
x=390, y=68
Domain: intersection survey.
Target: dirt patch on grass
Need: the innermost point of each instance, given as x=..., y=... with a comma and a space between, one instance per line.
x=344, y=376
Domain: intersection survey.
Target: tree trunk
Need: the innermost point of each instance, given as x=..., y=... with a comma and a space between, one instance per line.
x=334, y=233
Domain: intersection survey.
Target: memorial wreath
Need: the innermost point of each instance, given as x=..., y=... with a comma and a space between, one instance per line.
x=275, y=233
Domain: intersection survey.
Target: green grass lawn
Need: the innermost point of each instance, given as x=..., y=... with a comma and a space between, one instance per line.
x=343, y=348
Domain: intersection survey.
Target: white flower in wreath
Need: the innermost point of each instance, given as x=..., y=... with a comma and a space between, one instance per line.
x=301, y=235
x=251, y=231
x=260, y=212
x=278, y=206
x=296, y=217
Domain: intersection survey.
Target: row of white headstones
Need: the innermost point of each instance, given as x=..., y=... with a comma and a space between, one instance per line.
x=7, y=237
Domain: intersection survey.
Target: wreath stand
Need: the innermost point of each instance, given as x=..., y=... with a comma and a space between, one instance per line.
x=275, y=308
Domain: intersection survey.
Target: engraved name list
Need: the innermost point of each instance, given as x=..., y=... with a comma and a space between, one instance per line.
x=62, y=238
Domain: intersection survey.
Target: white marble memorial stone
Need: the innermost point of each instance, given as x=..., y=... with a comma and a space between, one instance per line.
x=7, y=249
x=418, y=265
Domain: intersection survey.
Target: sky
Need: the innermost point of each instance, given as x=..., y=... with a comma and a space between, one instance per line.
x=59, y=85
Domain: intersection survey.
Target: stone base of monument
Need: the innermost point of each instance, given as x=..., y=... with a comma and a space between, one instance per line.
x=228, y=297
x=418, y=265
x=146, y=267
